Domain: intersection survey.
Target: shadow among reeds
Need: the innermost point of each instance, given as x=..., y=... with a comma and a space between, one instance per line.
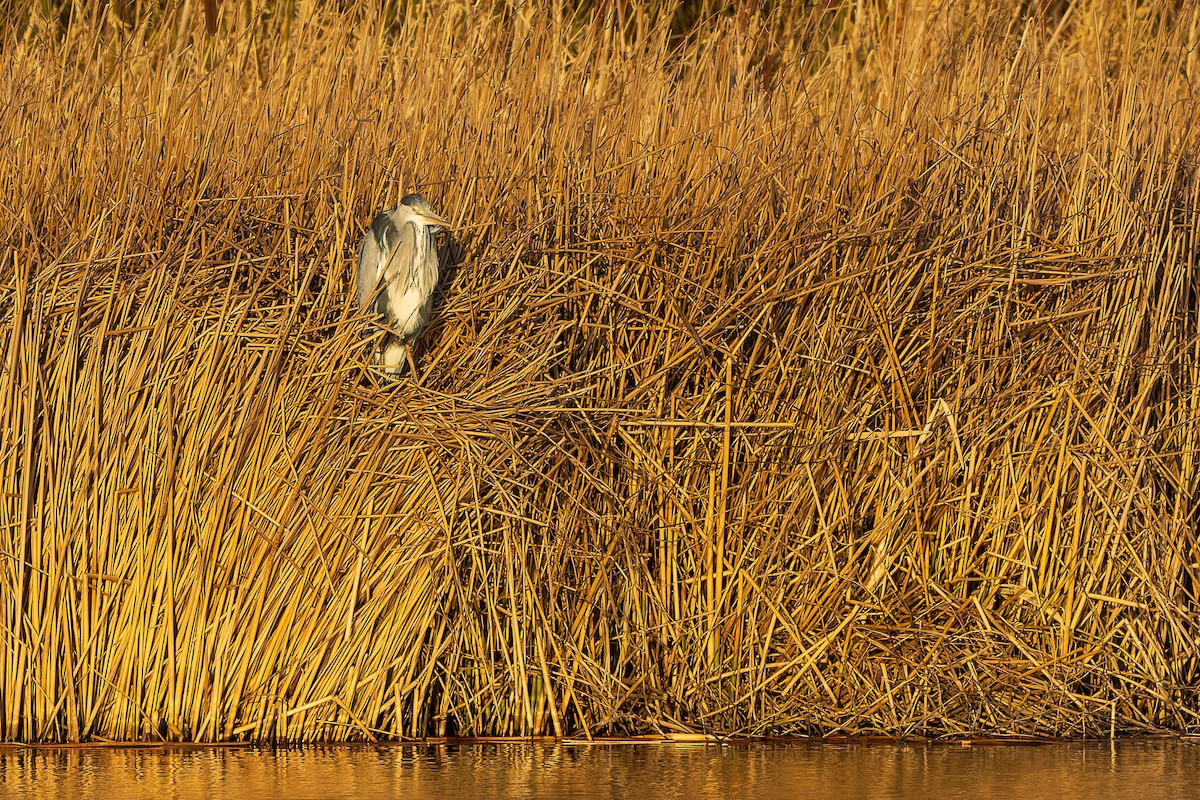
x=803, y=369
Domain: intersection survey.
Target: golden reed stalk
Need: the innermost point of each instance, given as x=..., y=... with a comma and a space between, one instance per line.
x=817, y=370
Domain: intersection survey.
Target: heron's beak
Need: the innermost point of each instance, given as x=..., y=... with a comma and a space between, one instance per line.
x=433, y=219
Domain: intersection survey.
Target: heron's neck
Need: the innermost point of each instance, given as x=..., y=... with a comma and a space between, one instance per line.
x=421, y=239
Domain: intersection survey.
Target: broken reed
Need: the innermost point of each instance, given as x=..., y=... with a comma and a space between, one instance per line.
x=834, y=372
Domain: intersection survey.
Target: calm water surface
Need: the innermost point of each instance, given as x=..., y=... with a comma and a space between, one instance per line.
x=1143, y=770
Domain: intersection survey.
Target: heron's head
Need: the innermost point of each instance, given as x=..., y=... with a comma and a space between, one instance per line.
x=419, y=209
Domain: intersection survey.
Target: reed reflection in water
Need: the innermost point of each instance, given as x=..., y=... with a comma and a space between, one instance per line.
x=1143, y=769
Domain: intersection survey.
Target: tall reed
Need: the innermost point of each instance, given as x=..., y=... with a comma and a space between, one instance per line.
x=796, y=370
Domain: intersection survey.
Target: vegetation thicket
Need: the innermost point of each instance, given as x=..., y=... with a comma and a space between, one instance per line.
x=804, y=368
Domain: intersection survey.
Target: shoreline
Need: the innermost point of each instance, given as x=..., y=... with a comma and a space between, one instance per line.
x=603, y=741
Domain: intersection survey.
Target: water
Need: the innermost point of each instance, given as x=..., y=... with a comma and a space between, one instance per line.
x=1144, y=770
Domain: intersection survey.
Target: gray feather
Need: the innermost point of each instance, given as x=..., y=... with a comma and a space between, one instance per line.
x=371, y=258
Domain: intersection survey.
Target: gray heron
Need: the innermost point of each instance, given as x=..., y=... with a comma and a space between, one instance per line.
x=397, y=273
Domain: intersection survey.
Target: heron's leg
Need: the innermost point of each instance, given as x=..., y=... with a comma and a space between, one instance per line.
x=412, y=364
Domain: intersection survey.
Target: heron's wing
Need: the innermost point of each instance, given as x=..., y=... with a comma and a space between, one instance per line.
x=372, y=260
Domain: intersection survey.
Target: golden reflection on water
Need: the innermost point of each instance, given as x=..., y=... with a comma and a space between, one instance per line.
x=1145, y=770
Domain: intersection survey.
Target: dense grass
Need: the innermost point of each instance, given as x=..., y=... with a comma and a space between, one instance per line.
x=827, y=370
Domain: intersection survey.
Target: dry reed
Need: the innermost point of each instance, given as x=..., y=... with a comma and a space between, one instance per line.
x=830, y=370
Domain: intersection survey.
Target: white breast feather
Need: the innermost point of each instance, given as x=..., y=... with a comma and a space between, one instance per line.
x=406, y=307
x=408, y=296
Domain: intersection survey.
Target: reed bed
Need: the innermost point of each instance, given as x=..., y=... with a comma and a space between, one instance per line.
x=796, y=370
